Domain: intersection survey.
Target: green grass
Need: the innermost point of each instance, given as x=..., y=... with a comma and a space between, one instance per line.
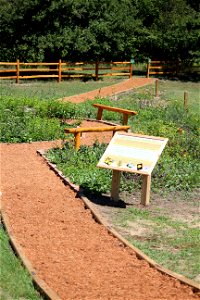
x=51, y=90
x=174, y=90
x=174, y=244
x=168, y=91
x=15, y=282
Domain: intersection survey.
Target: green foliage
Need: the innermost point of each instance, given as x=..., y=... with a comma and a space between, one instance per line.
x=75, y=163
x=27, y=116
x=177, y=169
x=178, y=166
x=69, y=29
x=95, y=30
x=22, y=121
x=26, y=120
x=171, y=29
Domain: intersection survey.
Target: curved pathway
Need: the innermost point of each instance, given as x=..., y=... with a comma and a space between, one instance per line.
x=107, y=91
x=74, y=255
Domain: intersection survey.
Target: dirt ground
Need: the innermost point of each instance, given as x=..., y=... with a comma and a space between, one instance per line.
x=179, y=209
x=73, y=254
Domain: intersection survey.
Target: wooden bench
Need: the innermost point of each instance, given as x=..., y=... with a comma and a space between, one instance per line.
x=126, y=113
x=77, y=131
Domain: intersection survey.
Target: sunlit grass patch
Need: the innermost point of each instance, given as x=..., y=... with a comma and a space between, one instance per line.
x=15, y=282
x=174, y=244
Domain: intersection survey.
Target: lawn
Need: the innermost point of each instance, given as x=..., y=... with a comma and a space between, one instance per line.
x=51, y=89
x=15, y=280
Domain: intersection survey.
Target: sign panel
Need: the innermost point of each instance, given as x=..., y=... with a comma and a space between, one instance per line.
x=131, y=152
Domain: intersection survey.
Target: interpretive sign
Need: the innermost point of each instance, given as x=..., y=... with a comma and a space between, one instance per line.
x=136, y=153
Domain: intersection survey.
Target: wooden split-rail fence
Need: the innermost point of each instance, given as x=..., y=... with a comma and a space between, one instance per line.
x=60, y=70
x=172, y=68
x=158, y=67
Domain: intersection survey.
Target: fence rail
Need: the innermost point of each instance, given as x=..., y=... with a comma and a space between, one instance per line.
x=20, y=70
x=158, y=67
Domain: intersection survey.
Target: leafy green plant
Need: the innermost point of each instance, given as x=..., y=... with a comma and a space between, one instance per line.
x=75, y=163
x=22, y=123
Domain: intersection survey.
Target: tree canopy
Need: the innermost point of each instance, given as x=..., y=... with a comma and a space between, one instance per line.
x=46, y=30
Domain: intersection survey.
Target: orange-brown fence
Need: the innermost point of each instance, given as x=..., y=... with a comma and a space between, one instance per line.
x=174, y=68
x=159, y=67
x=20, y=70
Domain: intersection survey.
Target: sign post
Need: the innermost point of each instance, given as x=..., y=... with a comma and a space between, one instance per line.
x=115, y=185
x=135, y=153
x=146, y=189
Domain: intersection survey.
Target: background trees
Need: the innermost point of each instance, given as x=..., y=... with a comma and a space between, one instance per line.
x=98, y=29
x=172, y=29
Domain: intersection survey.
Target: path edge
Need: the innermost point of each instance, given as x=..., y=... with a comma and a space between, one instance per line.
x=101, y=220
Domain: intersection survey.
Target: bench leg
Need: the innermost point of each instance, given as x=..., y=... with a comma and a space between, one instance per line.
x=125, y=119
x=77, y=137
x=99, y=113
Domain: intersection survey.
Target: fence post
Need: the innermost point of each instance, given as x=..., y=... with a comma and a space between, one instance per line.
x=156, y=88
x=59, y=70
x=148, y=67
x=131, y=70
x=96, y=70
x=17, y=71
x=186, y=101
x=132, y=61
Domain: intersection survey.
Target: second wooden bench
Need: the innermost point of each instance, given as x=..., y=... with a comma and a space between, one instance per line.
x=126, y=113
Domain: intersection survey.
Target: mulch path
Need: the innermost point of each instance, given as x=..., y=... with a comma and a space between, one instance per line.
x=115, y=89
x=73, y=254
